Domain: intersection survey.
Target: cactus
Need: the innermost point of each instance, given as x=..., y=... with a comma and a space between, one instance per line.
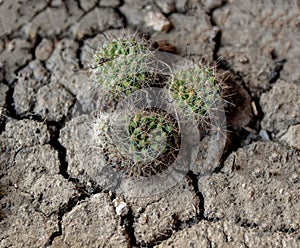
x=196, y=90
x=141, y=145
x=150, y=134
x=120, y=67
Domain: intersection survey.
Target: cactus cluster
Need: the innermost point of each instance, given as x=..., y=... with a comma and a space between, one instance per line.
x=146, y=142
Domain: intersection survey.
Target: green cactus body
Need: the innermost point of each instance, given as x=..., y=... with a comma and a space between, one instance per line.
x=195, y=90
x=146, y=145
x=150, y=134
x=121, y=67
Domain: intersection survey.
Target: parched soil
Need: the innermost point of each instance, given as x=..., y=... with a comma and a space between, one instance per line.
x=50, y=195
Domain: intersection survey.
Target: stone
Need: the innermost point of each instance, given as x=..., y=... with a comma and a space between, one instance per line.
x=44, y=49
x=63, y=65
x=157, y=21
x=91, y=222
x=181, y=6
x=84, y=159
x=281, y=106
x=17, y=136
x=53, y=102
x=292, y=136
x=3, y=89
x=210, y=5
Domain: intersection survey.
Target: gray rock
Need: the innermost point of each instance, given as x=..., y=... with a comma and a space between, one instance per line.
x=44, y=49
x=57, y=3
x=258, y=187
x=11, y=201
x=1, y=45
x=281, y=106
x=53, y=102
x=62, y=64
x=17, y=136
x=52, y=193
x=157, y=21
x=17, y=53
x=91, y=222
x=227, y=235
x=292, y=136
x=95, y=21
x=28, y=227
x=30, y=79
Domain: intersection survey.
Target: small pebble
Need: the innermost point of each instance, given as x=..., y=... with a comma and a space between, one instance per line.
x=264, y=135
x=157, y=21
x=120, y=206
x=44, y=49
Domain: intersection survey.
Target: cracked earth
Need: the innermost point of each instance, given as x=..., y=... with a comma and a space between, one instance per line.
x=47, y=195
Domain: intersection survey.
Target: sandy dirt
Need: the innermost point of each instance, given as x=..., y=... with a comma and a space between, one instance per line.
x=50, y=194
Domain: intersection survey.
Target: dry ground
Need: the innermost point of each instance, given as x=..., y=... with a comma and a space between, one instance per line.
x=48, y=195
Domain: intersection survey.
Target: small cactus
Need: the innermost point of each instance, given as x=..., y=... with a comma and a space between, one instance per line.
x=142, y=145
x=150, y=135
x=196, y=90
x=120, y=67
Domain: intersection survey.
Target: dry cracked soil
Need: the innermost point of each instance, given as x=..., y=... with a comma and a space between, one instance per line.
x=48, y=195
